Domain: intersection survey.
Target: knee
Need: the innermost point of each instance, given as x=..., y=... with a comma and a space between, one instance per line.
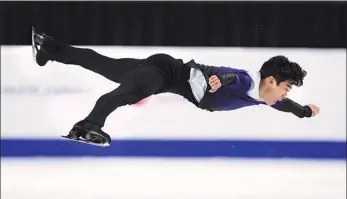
x=129, y=97
x=160, y=57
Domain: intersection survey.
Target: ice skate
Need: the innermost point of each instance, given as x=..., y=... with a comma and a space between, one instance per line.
x=44, y=47
x=88, y=133
x=39, y=56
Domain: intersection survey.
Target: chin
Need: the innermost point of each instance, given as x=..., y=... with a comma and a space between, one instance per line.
x=268, y=103
x=271, y=103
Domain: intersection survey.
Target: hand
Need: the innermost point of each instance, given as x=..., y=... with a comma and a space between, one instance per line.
x=214, y=83
x=314, y=108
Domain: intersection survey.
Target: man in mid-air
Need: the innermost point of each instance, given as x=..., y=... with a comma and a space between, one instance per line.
x=207, y=87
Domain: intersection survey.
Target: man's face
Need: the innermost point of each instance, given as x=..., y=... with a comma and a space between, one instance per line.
x=276, y=92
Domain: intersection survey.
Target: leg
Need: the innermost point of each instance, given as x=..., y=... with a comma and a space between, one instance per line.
x=143, y=83
x=113, y=69
x=146, y=80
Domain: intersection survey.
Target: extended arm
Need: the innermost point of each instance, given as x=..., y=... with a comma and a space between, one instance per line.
x=288, y=105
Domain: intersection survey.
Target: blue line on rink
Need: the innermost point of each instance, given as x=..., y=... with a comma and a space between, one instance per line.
x=176, y=148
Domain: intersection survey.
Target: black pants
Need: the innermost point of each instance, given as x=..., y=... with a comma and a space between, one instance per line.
x=138, y=78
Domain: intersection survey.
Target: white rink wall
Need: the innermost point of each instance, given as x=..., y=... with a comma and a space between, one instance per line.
x=48, y=100
x=158, y=151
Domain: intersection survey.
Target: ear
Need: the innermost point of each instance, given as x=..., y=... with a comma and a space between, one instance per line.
x=272, y=81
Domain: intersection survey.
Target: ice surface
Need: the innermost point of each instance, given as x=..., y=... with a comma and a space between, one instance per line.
x=171, y=179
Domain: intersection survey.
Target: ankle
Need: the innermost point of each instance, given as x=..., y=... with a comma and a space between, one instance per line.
x=51, y=46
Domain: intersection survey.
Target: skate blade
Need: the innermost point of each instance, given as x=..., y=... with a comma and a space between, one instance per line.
x=33, y=44
x=87, y=142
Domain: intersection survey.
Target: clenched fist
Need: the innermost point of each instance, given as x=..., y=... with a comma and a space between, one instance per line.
x=314, y=108
x=214, y=83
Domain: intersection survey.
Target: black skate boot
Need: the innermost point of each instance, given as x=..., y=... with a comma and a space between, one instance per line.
x=89, y=133
x=43, y=47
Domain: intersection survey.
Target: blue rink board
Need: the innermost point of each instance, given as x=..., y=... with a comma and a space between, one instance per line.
x=176, y=148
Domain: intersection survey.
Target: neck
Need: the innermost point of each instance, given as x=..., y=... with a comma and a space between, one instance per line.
x=261, y=91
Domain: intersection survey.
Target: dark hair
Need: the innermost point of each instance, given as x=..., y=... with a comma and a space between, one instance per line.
x=283, y=70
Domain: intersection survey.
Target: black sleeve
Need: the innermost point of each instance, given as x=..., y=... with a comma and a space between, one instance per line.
x=288, y=105
x=226, y=78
